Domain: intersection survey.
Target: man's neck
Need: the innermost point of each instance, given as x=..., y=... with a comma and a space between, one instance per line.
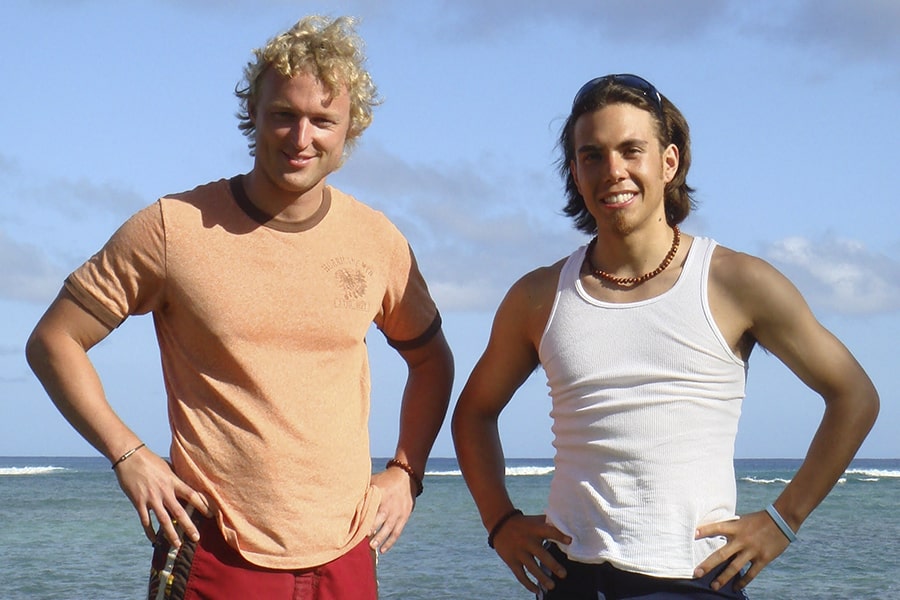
x=633, y=252
x=280, y=204
x=635, y=266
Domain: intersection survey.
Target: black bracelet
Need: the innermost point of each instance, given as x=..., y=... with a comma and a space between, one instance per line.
x=514, y=512
x=409, y=471
x=125, y=456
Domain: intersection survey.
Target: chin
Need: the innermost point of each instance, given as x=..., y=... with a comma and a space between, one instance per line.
x=296, y=185
x=621, y=225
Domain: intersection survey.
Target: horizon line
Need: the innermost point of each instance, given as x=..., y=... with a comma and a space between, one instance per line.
x=385, y=457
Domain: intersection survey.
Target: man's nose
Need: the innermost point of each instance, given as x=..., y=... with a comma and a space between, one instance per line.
x=615, y=167
x=302, y=133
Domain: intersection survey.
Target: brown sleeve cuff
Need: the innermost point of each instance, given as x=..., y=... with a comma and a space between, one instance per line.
x=420, y=340
x=92, y=305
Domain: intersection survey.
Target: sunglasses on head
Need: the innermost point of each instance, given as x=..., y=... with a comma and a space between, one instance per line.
x=633, y=82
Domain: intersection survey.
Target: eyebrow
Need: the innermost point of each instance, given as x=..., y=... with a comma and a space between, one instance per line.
x=623, y=144
x=321, y=111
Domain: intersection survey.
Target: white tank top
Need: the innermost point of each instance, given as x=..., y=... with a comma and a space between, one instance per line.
x=646, y=401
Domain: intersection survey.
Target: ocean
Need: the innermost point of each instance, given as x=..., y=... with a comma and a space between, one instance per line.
x=67, y=532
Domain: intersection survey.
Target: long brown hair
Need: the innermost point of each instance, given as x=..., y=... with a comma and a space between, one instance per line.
x=671, y=127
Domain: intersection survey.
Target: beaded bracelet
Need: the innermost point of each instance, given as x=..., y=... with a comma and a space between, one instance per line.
x=782, y=524
x=496, y=529
x=409, y=471
x=125, y=456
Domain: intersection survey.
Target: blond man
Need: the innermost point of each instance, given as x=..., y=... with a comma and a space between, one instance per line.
x=262, y=288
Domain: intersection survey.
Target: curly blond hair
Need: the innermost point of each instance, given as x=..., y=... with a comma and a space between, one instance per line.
x=330, y=50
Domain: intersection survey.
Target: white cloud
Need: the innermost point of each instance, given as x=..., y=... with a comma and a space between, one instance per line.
x=27, y=274
x=840, y=275
x=30, y=195
x=80, y=199
x=474, y=228
x=613, y=19
x=867, y=30
x=10, y=350
x=47, y=227
x=7, y=165
x=463, y=296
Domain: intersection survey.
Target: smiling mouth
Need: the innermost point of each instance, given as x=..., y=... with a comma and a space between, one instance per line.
x=621, y=198
x=299, y=160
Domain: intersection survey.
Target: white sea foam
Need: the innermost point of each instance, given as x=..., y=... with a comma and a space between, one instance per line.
x=30, y=470
x=874, y=474
x=764, y=481
x=510, y=472
x=517, y=471
x=855, y=474
x=450, y=473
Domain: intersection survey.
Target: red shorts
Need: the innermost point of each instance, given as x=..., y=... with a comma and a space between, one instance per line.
x=211, y=569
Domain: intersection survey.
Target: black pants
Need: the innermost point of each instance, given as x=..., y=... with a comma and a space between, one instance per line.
x=605, y=582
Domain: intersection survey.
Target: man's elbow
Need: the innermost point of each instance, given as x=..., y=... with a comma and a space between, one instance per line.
x=36, y=349
x=862, y=411
x=466, y=417
x=872, y=407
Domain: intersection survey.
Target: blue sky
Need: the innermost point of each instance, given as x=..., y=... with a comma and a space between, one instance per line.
x=792, y=104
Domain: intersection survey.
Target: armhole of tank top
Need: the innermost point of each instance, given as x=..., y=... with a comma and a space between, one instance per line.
x=564, y=279
x=704, y=299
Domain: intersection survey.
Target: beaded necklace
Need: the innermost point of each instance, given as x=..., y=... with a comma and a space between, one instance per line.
x=633, y=281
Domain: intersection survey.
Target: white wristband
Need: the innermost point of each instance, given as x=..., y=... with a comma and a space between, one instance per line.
x=782, y=524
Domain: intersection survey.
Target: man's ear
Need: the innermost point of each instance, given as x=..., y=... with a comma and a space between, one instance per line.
x=671, y=160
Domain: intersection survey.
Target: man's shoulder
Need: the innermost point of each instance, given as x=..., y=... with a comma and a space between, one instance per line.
x=347, y=203
x=538, y=286
x=341, y=197
x=209, y=190
x=734, y=265
x=746, y=278
x=544, y=275
x=208, y=202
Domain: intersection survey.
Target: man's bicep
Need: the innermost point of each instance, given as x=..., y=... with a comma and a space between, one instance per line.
x=67, y=318
x=509, y=358
x=818, y=359
x=786, y=326
x=433, y=353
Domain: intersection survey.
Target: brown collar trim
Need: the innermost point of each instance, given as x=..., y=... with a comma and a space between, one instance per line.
x=243, y=201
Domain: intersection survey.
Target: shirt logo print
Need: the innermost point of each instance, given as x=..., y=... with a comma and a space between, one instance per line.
x=353, y=283
x=351, y=277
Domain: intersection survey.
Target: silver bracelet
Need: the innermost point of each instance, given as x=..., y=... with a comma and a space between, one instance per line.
x=782, y=524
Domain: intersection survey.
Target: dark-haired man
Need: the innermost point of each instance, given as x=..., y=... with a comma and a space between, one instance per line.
x=645, y=335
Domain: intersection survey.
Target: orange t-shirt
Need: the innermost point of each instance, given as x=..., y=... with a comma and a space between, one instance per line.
x=261, y=328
